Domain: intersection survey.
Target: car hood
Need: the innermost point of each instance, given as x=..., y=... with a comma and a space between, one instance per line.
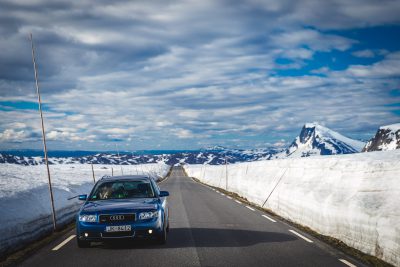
x=120, y=205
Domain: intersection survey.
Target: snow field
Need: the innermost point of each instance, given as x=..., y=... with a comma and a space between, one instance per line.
x=25, y=201
x=354, y=198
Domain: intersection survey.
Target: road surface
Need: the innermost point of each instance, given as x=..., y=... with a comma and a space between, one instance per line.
x=207, y=229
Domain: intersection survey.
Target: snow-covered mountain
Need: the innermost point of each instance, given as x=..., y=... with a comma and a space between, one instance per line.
x=315, y=139
x=386, y=138
x=211, y=156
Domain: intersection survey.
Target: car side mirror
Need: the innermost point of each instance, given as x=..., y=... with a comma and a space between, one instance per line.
x=82, y=197
x=164, y=194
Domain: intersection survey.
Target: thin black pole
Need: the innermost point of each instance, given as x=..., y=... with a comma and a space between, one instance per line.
x=274, y=188
x=226, y=173
x=116, y=146
x=94, y=179
x=43, y=136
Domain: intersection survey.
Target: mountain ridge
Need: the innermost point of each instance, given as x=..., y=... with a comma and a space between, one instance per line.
x=198, y=157
x=315, y=139
x=386, y=138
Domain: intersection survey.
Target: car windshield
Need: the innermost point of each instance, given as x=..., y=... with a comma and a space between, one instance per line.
x=122, y=190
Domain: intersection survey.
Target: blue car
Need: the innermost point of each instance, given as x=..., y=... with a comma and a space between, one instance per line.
x=123, y=207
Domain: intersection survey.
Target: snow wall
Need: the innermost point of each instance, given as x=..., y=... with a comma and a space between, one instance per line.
x=25, y=201
x=354, y=198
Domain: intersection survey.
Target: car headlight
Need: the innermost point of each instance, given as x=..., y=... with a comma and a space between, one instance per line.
x=87, y=218
x=148, y=215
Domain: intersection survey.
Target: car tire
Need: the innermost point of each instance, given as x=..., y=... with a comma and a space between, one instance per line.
x=162, y=238
x=83, y=243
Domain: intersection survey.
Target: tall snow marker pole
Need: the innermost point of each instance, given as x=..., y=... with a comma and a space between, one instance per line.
x=133, y=157
x=274, y=187
x=43, y=135
x=226, y=173
x=94, y=179
x=119, y=158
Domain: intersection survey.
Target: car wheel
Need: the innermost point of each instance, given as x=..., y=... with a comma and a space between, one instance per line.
x=162, y=238
x=83, y=243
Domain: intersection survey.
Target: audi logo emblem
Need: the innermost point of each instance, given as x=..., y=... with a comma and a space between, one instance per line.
x=117, y=217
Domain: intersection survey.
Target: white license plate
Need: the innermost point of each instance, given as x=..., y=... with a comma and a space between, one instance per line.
x=118, y=228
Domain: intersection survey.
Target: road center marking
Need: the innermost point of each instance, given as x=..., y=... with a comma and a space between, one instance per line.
x=250, y=208
x=265, y=216
x=347, y=263
x=63, y=243
x=301, y=236
x=237, y=201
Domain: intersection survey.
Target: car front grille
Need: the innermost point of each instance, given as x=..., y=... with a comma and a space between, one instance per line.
x=117, y=218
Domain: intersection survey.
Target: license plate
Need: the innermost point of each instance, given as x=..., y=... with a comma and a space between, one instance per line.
x=118, y=228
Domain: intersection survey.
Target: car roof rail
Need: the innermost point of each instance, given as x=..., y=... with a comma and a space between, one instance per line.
x=106, y=176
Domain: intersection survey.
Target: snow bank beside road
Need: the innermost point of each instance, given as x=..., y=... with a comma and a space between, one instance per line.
x=354, y=198
x=25, y=202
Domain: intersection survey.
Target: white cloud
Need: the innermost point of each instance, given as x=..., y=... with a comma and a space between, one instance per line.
x=10, y=135
x=146, y=72
x=184, y=133
x=190, y=114
x=388, y=67
x=17, y=125
x=367, y=53
x=67, y=136
x=313, y=39
x=281, y=143
x=187, y=134
x=116, y=131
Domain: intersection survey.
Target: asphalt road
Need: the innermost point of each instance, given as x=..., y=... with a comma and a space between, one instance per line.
x=207, y=229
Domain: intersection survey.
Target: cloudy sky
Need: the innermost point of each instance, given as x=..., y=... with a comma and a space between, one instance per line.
x=189, y=74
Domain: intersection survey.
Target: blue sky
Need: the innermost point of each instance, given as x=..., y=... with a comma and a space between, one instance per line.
x=191, y=74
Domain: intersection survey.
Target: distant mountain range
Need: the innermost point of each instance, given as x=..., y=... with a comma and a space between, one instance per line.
x=386, y=138
x=313, y=139
x=210, y=156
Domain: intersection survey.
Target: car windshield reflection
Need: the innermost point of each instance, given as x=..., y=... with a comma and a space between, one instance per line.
x=122, y=190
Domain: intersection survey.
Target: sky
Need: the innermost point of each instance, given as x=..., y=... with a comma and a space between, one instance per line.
x=191, y=74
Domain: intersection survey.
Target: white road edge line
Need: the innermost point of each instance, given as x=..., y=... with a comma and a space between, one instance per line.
x=301, y=236
x=250, y=208
x=166, y=178
x=229, y=197
x=347, y=263
x=63, y=243
x=265, y=216
x=237, y=201
x=222, y=194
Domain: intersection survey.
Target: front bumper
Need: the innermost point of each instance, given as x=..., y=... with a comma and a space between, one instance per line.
x=97, y=231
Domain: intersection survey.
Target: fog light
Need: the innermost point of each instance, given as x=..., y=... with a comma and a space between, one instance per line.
x=86, y=234
x=150, y=231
